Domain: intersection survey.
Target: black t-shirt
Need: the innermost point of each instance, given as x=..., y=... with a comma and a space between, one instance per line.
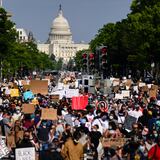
x=43, y=134
x=95, y=136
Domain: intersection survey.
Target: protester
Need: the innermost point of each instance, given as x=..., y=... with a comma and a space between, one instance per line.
x=108, y=127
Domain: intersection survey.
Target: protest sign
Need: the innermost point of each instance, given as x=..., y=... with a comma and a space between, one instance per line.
x=141, y=84
x=72, y=93
x=25, y=153
x=61, y=93
x=55, y=98
x=114, y=142
x=116, y=83
x=125, y=93
x=28, y=108
x=135, y=88
x=49, y=114
x=129, y=121
x=79, y=103
x=118, y=96
x=14, y=93
x=28, y=95
x=38, y=86
x=3, y=149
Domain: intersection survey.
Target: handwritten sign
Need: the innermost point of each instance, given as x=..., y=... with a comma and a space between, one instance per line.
x=3, y=149
x=38, y=86
x=28, y=108
x=49, y=114
x=25, y=153
x=14, y=93
x=114, y=142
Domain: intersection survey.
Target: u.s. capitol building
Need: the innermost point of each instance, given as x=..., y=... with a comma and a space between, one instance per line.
x=60, y=41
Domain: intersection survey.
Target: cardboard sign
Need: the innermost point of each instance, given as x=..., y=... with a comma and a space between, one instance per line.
x=55, y=98
x=114, y=142
x=79, y=103
x=49, y=114
x=3, y=149
x=129, y=120
x=38, y=86
x=14, y=93
x=25, y=153
x=28, y=108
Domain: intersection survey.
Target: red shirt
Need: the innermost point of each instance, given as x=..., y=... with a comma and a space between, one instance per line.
x=154, y=153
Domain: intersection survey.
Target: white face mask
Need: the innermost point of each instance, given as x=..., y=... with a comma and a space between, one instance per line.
x=142, y=148
x=94, y=129
x=110, y=117
x=18, y=111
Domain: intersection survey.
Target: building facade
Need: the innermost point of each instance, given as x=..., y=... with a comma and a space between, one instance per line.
x=60, y=42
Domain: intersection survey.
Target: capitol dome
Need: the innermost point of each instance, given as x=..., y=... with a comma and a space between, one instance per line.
x=60, y=29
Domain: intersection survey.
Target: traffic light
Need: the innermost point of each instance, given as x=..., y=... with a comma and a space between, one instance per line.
x=85, y=60
x=103, y=57
x=91, y=61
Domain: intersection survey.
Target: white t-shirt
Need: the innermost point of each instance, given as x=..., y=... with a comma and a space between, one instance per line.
x=103, y=125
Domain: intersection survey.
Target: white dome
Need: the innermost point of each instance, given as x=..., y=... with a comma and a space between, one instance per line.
x=60, y=25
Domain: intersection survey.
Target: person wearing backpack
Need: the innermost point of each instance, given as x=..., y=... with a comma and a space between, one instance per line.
x=154, y=152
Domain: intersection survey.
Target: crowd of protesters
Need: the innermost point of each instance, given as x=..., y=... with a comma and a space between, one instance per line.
x=77, y=134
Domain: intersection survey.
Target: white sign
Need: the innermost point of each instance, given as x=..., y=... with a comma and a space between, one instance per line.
x=72, y=93
x=61, y=93
x=141, y=84
x=60, y=86
x=118, y=96
x=3, y=149
x=25, y=153
x=116, y=83
x=125, y=93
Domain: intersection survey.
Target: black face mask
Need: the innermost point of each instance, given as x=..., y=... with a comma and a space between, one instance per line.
x=26, y=138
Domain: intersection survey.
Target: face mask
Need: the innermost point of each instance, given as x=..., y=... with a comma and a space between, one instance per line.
x=18, y=111
x=94, y=130
x=76, y=141
x=141, y=148
x=110, y=127
x=155, y=135
x=110, y=117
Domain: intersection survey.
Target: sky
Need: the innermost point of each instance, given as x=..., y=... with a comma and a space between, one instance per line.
x=85, y=17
